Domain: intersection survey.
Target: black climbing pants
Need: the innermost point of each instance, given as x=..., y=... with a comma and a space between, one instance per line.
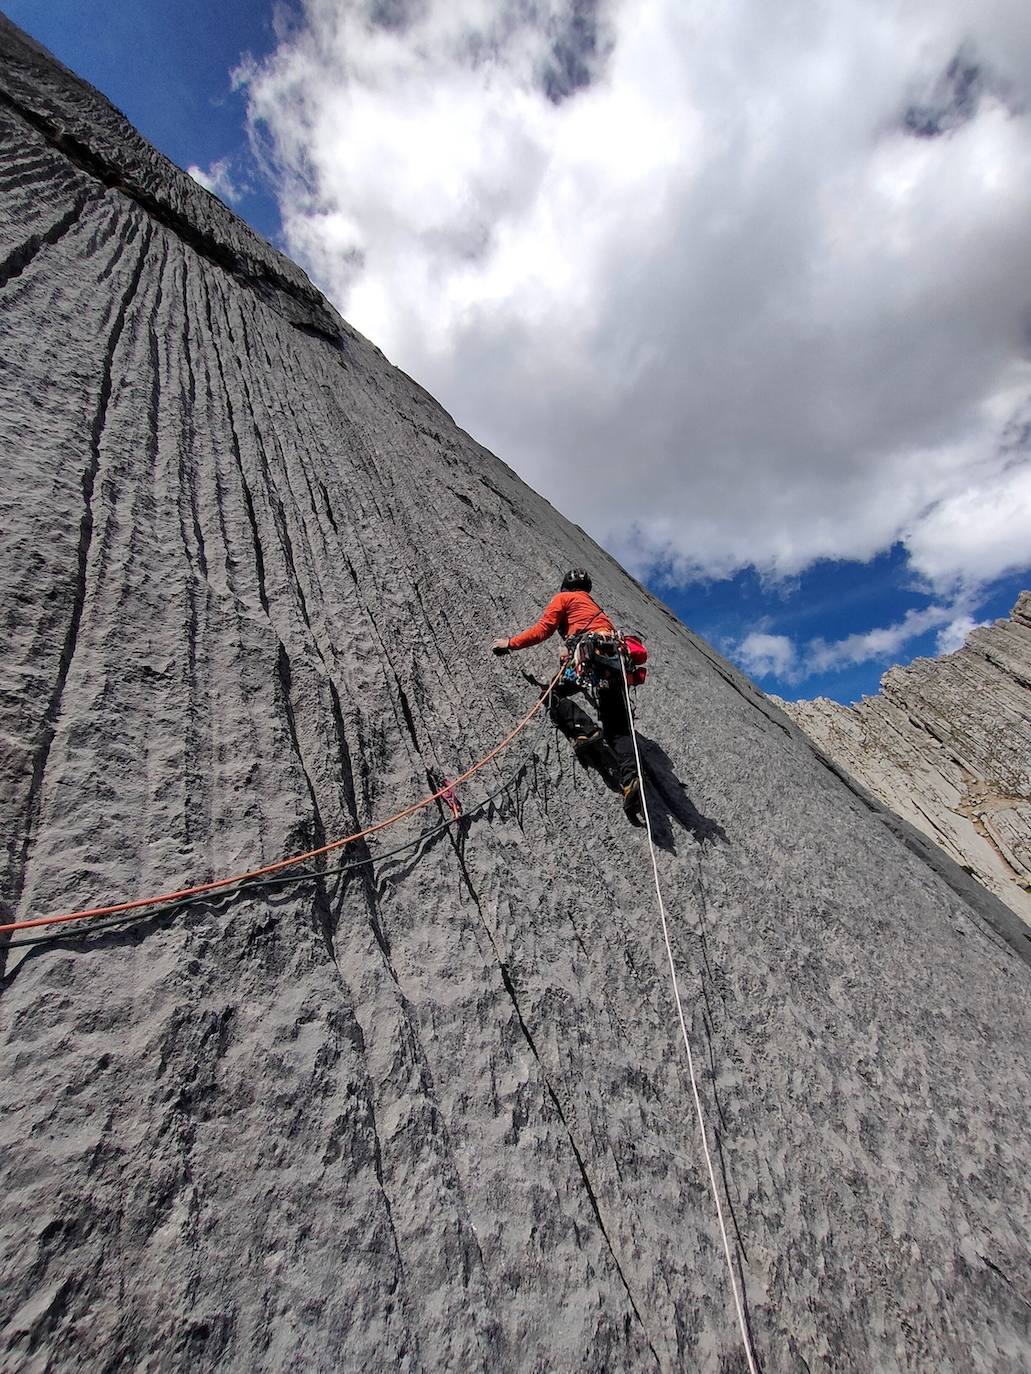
x=616, y=725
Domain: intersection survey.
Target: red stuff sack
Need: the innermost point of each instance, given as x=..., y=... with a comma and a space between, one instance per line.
x=638, y=656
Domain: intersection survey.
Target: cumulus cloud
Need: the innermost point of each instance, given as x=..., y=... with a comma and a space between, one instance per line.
x=777, y=655
x=882, y=643
x=977, y=532
x=217, y=179
x=954, y=635
x=766, y=655
x=732, y=285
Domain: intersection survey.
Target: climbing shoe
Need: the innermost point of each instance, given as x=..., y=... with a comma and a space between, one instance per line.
x=587, y=746
x=632, y=802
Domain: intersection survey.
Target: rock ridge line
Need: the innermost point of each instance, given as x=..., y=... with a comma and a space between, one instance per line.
x=947, y=745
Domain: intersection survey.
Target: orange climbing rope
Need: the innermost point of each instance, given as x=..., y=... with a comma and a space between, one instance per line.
x=218, y=883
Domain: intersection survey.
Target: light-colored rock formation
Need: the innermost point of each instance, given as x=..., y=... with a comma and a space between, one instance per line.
x=947, y=745
x=430, y=1113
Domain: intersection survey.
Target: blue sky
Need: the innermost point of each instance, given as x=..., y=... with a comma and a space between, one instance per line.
x=743, y=292
x=167, y=67
x=833, y=601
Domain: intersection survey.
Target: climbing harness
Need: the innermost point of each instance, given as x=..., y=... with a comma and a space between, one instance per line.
x=236, y=880
x=596, y=659
x=745, y=1337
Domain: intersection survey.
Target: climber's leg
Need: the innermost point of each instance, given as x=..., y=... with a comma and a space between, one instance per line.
x=587, y=735
x=617, y=726
x=570, y=718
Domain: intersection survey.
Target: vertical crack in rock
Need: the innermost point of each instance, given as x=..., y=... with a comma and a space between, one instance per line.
x=20, y=258
x=549, y=1088
x=234, y=439
x=197, y=587
x=20, y=843
x=317, y=837
x=581, y=1164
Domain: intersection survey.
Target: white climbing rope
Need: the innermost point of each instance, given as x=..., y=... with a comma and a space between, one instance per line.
x=687, y=1040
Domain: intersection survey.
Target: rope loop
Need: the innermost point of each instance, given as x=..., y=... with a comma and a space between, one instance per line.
x=445, y=793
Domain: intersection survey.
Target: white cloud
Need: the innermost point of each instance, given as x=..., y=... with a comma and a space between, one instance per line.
x=776, y=655
x=217, y=179
x=954, y=635
x=885, y=642
x=766, y=655
x=978, y=532
x=718, y=303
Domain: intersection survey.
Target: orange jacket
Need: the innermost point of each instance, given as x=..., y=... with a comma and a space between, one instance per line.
x=570, y=613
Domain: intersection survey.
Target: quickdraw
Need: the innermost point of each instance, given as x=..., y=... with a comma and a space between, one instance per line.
x=448, y=795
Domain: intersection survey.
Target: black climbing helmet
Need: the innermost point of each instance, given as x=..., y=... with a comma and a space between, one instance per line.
x=577, y=580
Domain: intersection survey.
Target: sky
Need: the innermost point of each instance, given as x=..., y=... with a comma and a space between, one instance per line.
x=745, y=290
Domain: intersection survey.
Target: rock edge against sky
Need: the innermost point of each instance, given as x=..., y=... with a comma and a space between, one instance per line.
x=947, y=744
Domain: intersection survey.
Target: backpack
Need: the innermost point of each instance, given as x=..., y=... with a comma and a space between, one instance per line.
x=638, y=656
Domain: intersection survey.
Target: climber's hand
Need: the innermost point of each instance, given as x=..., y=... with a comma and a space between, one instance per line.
x=500, y=647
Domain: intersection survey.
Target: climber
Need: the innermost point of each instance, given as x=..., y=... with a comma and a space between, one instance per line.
x=574, y=614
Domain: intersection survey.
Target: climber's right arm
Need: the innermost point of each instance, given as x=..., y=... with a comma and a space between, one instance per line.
x=544, y=628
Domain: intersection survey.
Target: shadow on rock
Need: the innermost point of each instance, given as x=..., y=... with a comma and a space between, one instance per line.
x=668, y=802
x=601, y=762
x=130, y=929
x=332, y=887
x=669, y=806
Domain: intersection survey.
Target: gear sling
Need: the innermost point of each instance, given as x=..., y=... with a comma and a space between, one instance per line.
x=596, y=656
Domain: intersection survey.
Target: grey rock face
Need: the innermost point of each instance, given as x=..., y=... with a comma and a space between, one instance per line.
x=947, y=745
x=431, y=1113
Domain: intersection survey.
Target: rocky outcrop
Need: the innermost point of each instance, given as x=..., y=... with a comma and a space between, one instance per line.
x=947, y=745
x=429, y=1112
